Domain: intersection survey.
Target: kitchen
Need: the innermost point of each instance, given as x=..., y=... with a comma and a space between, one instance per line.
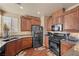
x=49, y=30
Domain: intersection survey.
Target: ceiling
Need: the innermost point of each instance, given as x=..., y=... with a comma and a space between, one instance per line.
x=34, y=9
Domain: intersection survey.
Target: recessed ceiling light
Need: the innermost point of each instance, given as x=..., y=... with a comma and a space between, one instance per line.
x=21, y=7
x=38, y=12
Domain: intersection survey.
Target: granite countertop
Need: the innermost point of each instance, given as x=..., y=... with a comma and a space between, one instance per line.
x=67, y=41
x=58, y=32
x=2, y=42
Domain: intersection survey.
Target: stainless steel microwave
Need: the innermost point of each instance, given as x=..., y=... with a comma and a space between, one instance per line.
x=57, y=27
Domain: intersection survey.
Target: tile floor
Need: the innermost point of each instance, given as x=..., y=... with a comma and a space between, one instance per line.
x=41, y=51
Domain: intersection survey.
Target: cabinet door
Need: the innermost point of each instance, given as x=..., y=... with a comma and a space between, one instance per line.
x=25, y=24
x=58, y=20
x=71, y=21
x=45, y=22
x=65, y=47
x=28, y=25
x=35, y=21
x=10, y=49
x=18, y=45
x=46, y=42
x=26, y=42
x=49, y=24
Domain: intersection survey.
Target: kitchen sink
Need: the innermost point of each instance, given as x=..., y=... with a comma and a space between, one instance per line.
x=10, y=38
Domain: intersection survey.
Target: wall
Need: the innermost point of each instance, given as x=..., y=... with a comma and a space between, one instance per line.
x=42, y=24
x=18, y=30
x=0, y=25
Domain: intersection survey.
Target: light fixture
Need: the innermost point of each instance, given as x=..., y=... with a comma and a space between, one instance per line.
x=38, y=12
x=20, y=6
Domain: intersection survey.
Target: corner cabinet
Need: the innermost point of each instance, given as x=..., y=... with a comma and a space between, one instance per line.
x=14, y=47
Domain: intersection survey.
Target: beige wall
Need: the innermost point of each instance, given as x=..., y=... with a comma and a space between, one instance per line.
x=17, y=25
x=0, y=25
x=42, y=24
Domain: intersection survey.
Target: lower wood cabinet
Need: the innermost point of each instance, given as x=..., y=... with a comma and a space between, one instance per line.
x=26, y=43
x=18, y=45
x=10, y=48
x=46, y=42
x=13, y=47
x=65, y=47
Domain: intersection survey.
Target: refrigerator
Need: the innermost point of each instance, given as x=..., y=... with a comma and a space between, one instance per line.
x=37, y=36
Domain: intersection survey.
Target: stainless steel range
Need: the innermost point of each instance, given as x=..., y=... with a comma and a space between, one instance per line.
x=55, y=41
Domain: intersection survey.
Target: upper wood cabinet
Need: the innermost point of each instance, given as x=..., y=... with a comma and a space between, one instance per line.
x=58, y=20
x=35, y=21
x=58, y=16
x=71, y=19
x=27, y=22
x=48, y=23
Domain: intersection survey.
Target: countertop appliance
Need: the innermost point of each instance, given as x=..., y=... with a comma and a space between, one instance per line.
x=37, y=36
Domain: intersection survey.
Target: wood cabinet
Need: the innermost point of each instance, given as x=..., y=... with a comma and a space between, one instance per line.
x=26, y=43
x=46, y=42
x=10, y=49
x=58, y=16
x=27, y=22
x=65, y=47
x=58, y=20
x=35, y=21
x=13, y=47
x=48, y=23
x=71, y=19
x=18, y=45
x=45, y=22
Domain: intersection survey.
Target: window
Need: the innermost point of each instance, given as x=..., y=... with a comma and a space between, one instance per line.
x=6, y=22
x=11, y=23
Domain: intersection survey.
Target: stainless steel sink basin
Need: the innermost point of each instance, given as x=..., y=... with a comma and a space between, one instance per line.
x=10, y=38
